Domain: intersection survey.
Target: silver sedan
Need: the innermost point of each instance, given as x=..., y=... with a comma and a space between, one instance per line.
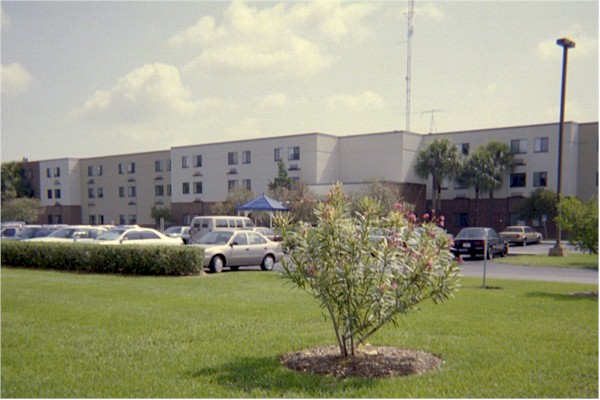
x=239, y=248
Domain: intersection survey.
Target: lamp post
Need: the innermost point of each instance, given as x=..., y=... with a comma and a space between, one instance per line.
x=566, y=44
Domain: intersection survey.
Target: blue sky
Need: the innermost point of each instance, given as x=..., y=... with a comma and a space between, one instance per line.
x=84, y=79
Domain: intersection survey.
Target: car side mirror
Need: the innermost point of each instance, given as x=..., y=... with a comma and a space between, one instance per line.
x=234, y=243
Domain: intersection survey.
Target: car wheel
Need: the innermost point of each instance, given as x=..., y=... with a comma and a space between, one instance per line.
x=268, y=263
x=538, y=240
x=216, y=264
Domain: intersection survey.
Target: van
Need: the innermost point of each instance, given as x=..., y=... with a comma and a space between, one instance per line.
x=200, y=226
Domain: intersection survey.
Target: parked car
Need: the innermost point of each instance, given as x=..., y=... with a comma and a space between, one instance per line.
x=472, y=241
x=140, y=236
x=10, y=231
x=239, y=248
x=200, y=226
x=33, y=231
x=182, y=232
x=268, y=233
x=67, y=234
x=521, y=235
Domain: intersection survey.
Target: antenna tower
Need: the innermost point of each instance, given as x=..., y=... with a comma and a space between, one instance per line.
x=409, y=17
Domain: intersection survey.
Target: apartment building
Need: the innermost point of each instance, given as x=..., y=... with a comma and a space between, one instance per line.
x=122, y=189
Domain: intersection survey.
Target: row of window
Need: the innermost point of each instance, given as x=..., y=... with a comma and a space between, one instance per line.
x=519, y=146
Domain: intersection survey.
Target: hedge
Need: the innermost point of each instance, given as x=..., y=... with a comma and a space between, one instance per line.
x=95, y=258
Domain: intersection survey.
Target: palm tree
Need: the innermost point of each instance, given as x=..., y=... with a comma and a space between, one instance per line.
x=475, y=174
x=440, y=159
x=500, y=159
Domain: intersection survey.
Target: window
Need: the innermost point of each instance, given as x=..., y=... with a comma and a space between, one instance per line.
x=100, y=171
x=48, y=173
x=122, y=220
x=187, y=219
x=518, y=146
x=131, y=192
x=158, y=166
x=159, y=190
x=100, y=193
x=240, y=239
x=121, y=169
x=185, y=162
x=247, y=184
x=540, y=179
x=232, y=184
x=49, y=193
x=168, y=190
x=293, y=153
x=121, y=191
x=518, y=180
x=57, y=172
x=461, y=219
x=91, y=193
x=246, y=157
x=131, y=168
x=540, y=145
x=132, y=219
x=185, y=189
x=197, y=187
x=464, y=149
x=197, y=161
x=91, y=170
x=232, y=158
x=57, y=193
x=277, y=154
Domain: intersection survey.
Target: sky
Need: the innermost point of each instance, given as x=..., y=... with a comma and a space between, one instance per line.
x=86, y=79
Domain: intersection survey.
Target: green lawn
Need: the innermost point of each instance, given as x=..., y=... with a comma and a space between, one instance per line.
x=573, y=260
x=77, y=335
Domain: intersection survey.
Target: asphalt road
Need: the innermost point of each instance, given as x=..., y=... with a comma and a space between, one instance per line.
x=474, y=268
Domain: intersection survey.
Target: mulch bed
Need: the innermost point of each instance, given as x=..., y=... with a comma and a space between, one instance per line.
x=368, y=362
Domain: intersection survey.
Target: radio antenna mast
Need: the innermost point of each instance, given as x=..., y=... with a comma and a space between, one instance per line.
x=409, y=17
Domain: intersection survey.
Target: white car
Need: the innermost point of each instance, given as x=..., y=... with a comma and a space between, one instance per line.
x=71, y=234
x=239, y=248
x=140, y=236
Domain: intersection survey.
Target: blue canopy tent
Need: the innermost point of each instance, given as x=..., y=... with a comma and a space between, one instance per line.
x=262, y=203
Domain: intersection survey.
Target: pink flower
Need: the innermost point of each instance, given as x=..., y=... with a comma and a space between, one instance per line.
x=426, y=216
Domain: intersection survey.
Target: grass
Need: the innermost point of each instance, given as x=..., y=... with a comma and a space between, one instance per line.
x=74, y=335
x=573, y=260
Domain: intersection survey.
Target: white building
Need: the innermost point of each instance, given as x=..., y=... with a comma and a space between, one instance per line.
x=189, y=179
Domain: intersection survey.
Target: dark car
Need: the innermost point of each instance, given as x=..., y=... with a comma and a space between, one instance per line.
x=472, y=241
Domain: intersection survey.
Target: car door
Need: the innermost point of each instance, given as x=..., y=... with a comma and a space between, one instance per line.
x=258, y=247
x=240, y=252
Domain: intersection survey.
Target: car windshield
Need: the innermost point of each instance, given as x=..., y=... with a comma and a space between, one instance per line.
x=514, y=230
x=173, y=229
x=216, y=237
x=113, y=234
x=64, y=233
x=471, y=233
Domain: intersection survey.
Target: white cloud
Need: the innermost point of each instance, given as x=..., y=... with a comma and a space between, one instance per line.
x=275, y=100
x=147, y=93
x=585, y=45
x=363, y=102
x=15, y=79
x=4, y=20
x=429, y=12
x=280, y=40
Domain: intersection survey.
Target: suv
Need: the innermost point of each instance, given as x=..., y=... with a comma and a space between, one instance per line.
x=200, y=226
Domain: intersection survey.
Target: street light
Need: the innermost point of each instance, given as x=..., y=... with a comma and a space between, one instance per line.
x=566, y=44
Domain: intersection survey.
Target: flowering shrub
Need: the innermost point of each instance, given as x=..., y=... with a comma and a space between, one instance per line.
x=367, y=270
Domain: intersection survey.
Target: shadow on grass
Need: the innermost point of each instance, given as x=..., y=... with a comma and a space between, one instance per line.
x=583, y=296
x=267, y=375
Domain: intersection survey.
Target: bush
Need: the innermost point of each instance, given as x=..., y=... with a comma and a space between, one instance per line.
x=129, y=260
x=581, y=220
x=364, y=282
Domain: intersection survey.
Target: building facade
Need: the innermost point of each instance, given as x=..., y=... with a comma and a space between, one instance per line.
x=123, y=189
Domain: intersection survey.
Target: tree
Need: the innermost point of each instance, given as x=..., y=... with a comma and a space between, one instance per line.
x=364, y=284
x=499, y=158
x=22, y=209
x=299, y=198
x=474, y=174
x=160, y=212
x=581, y=220
x=236, y=197
x=14, y=182
x=282, y=179
x=440, y=159
x=542, y=202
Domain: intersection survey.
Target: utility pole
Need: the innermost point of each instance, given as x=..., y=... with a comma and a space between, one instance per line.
x=409, y=17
